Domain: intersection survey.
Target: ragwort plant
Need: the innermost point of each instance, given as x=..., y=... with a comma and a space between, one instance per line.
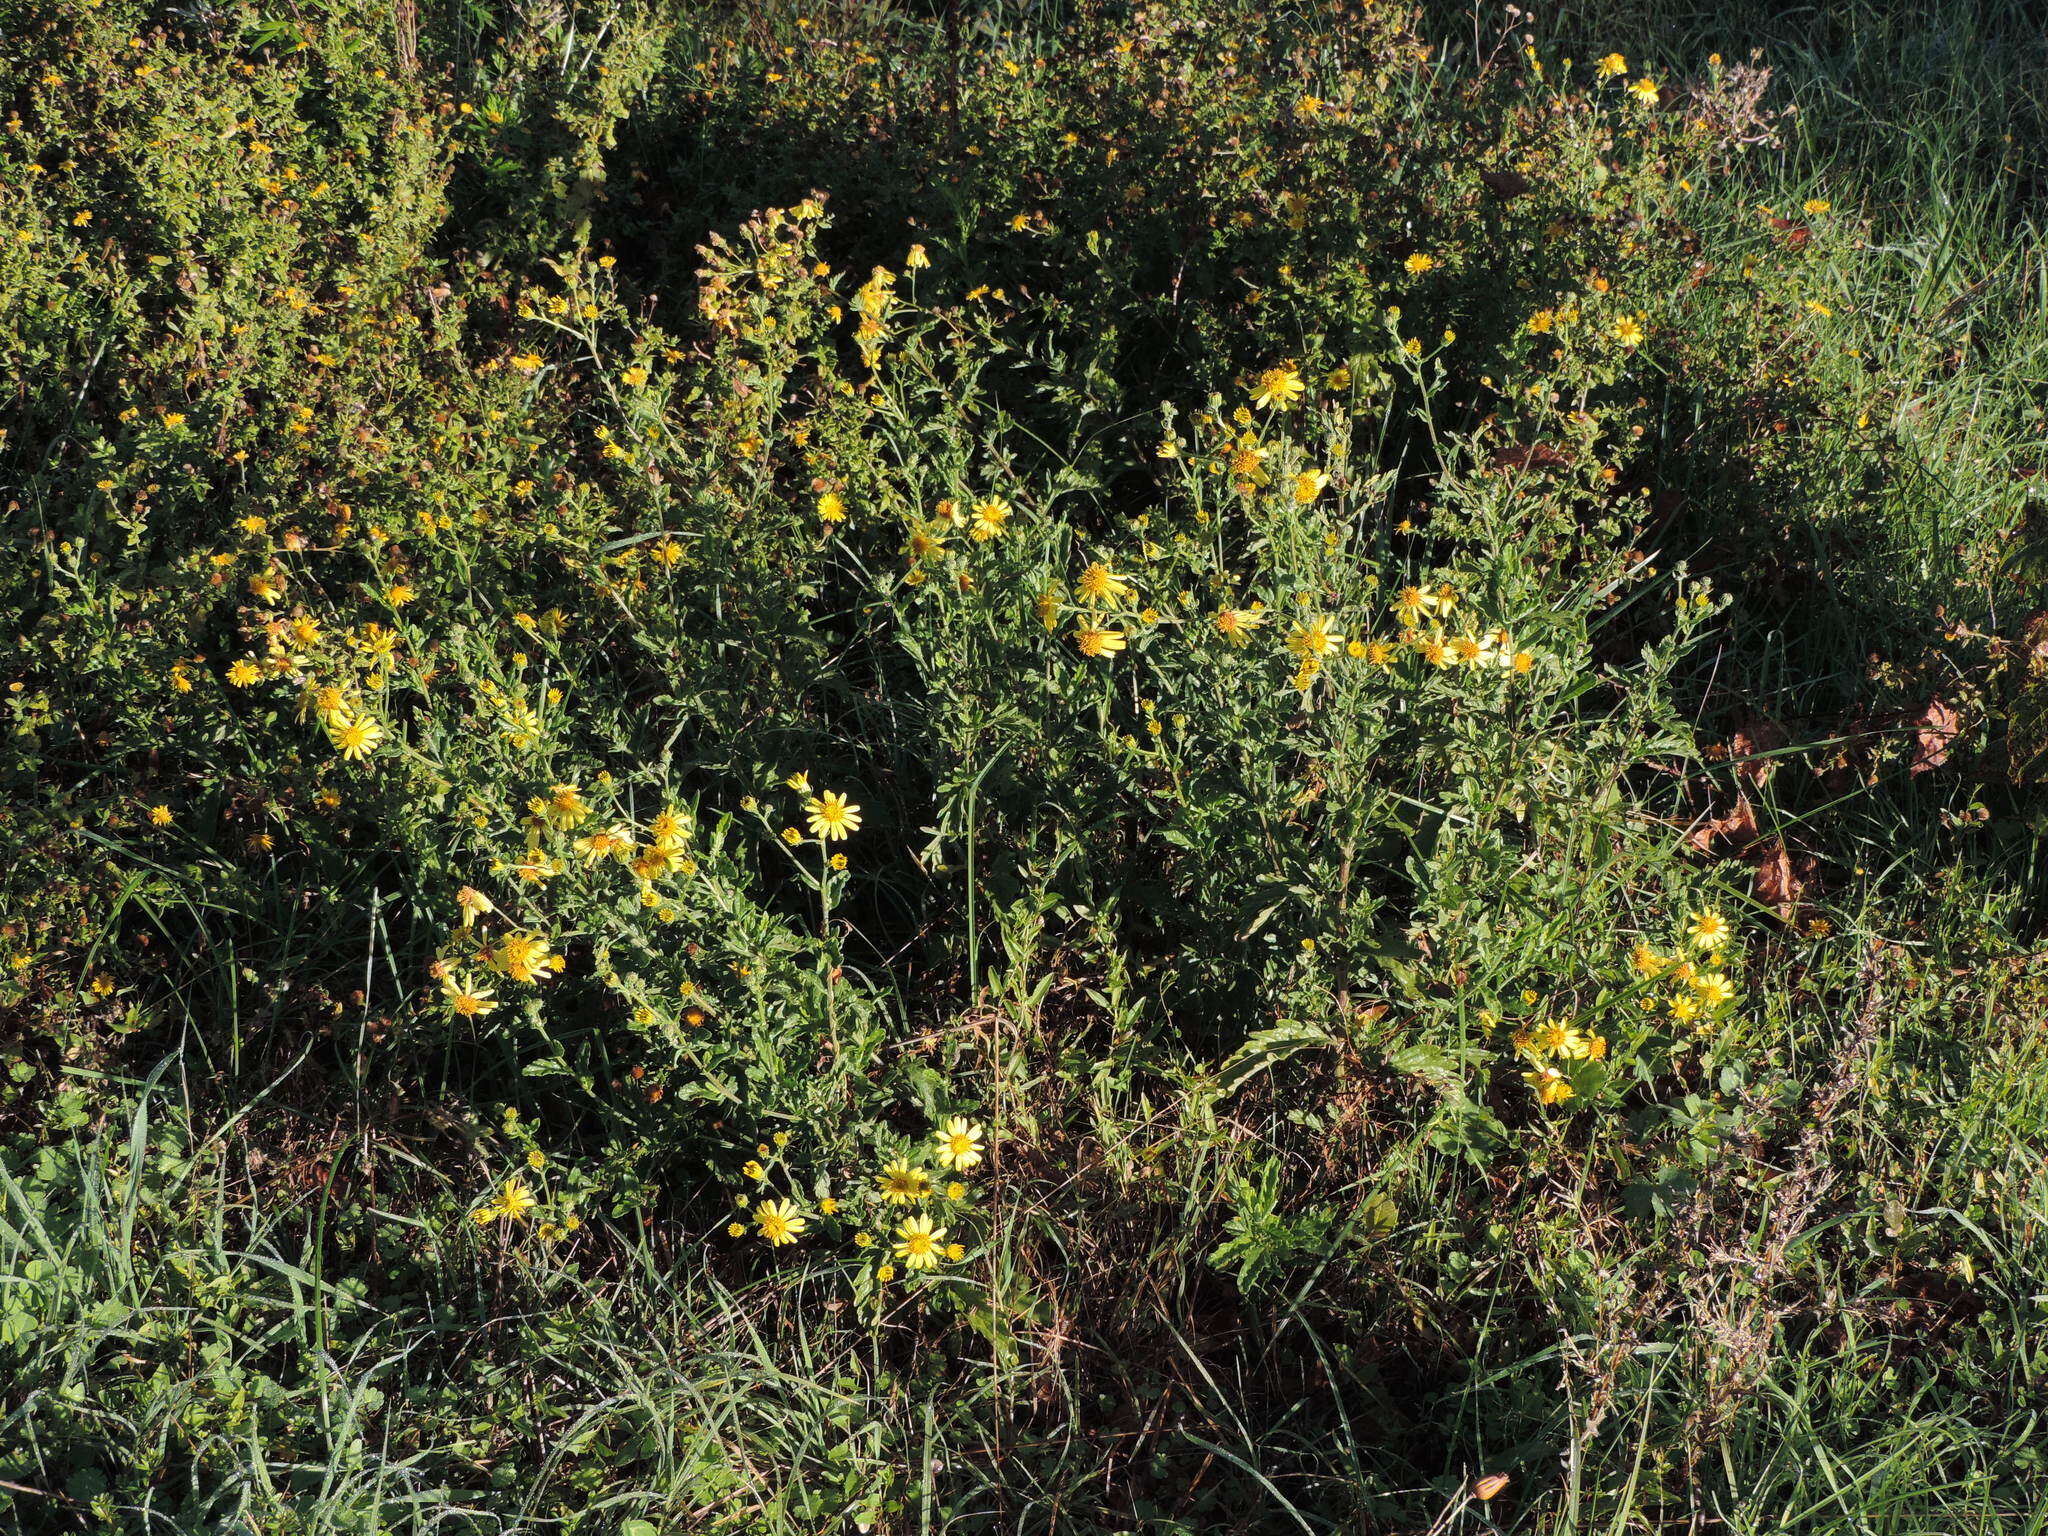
x=1053, y=839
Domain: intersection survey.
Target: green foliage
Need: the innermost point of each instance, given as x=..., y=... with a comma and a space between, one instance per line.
x=1059, y=768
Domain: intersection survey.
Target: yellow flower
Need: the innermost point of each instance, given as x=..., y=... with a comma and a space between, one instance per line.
x=918, y=1243
x=828, y=1206
x=1308, y=485
x=245, y=674
x=474, y=904
x=779, y=1222
x=354, y=736
x=562, y=808
x=612, y=843
x=522, y=956
x=1814, y=207
x=989, y=517
x=902, y=1184
x=1279, y=388
x=1614, y=64
x=831, y=816
x=885, y=1273
x=514, y=1200
x=959, y=1144
x=1419, y=264
x=1684, y=1007
x=1644, y=90
x=1645, y=961
x=1317, y=638
x=1094, y=642
x=1236, y=624
x=1550, y=1085
x=465, y=998
x=160, y=815
x=831, y=507
x=1709, y=929
x=1628, y=331
x=1714, y=988
x=1411, y=603
x=1098, y=584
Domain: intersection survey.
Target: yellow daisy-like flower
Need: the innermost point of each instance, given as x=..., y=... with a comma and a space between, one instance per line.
x=514, y=1201
x=919, y=1244
x=1308, y=485
x=1714, y=989
x=1628, y=331
x=1709, y=929
x=245, y=674
x=1279, y=388
x=1550, y=1085
x=160, y=816
x=989, y=517
x=474, y=904
x=1645, y=961
x=959, y=1144
x=1419, y=264
x=832, y=816
x=563, y=807
x=1317, y=638
x=1099, y=585
x=465, y=999
x=1644, y=90
x=1094, y=642
x=1614, y=64
x=779, y=1222
x=354, y=736
x=1684, y=1007
x=1411, y=603
x=522, y=956
x=902, y=1184
x=1236, y=624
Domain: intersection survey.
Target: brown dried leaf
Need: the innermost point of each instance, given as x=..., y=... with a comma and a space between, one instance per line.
x=1753, y=739
x=1506, y=185
x=1738, y=827
x=1776, y=881
x=1933, y=729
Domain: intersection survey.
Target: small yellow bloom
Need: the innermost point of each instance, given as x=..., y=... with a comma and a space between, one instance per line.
x=902, y=1184
x=1096, y=642
x=959, y=1143
x=1279, y=388
x=918, y=1243
x=1709, y=929
x=354, y=736
x=779, y=1222
x=832, y=816
x=1319, y=637
x=515, y=1200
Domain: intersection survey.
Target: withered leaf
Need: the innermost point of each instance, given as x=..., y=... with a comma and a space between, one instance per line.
x=1933, y=729
x=1753, y=740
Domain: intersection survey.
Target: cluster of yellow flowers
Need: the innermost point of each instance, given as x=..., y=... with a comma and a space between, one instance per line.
x=917, y=1241
x=1698, y=990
